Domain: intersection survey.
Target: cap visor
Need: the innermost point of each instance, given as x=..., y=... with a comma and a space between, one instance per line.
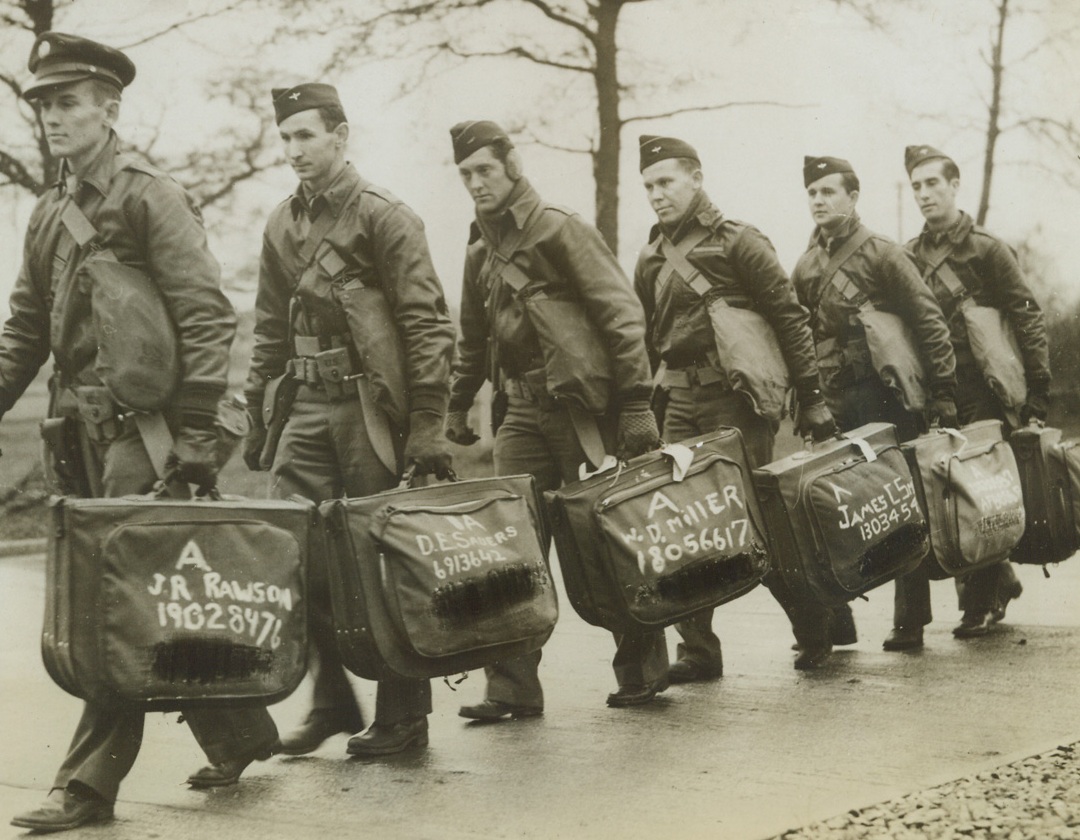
x=39, y=86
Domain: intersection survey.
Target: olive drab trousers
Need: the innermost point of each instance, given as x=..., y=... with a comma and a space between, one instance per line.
x=325, y=453
x=982, y=590
x=107, y=738
x=537, y=437
x=697, y=409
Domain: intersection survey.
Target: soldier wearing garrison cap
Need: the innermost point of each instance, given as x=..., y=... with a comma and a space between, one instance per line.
x=959, y=259
x=519, y=236
x=693, y=238
x=876, y=269
x=108, y=200
x=336, y=252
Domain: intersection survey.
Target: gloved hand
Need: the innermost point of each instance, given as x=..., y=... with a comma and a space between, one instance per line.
x=942, y=409
x=816, y=421
x=425, y=447
x=1037, y=405
x=457, y=429
x=194, y=457
x=637, y=433
x=254, y=441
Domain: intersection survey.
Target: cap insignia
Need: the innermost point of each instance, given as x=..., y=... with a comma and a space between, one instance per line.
x=294, y=96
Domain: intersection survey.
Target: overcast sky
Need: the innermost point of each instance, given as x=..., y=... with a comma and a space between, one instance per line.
x=854, y=93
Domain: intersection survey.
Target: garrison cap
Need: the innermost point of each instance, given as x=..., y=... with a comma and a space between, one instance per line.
x=914, y=155
x=472, y=135
x=303, y=97
x=655, y=148
x=818, y=167
x=59, y=59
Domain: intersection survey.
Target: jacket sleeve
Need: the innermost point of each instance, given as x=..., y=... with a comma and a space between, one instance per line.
x=471, y=363
x=753, y=258
x=271, y=351
x=1013, y=296
x=416, y=298
x=645, y=289
x=24, y=342
x=906, y=294
x=189, y=278
x=585, y=260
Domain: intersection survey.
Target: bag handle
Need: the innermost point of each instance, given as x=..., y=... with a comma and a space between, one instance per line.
x=409, y=478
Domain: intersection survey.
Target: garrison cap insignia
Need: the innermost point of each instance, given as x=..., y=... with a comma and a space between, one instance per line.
x=915, y=155
x=815, y=168
x=303, y=97
x=60, y=59
x=471, y=136
x=654, y=149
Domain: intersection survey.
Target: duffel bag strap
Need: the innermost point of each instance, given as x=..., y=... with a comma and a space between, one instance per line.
x=156, y=437
x=676, y=261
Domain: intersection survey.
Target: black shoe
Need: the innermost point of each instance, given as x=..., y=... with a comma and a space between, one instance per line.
x=812, y=656
x=64, y=809
x=904, y=638
x=227, y=772
x=997, y=614
x=635, y=695
x=492, y=710
x=686, y=670
x=380, y=739
x=842, y=627
x=319, y=725
x=971, y=624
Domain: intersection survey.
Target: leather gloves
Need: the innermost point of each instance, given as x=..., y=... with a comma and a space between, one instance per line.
x=194, y=456
x=254, y=442
x=816, y=421
x=1037, y=405
x=425, y=447
x=637, y=431
x=942, y=409
x=457, y=429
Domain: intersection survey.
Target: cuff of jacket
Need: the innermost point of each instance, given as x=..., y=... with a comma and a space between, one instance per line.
x=198, y=398
x=1039, y=386
x=638, y=393
x=428, y=399
x=808, y=391
x=943, y=390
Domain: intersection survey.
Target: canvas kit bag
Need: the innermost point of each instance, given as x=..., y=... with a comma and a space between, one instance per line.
x=747, y=348
x=161, y=603
x=437, y=580
x=1050, y=477
x=843, y=517
x=661, y=537
x=968, y=483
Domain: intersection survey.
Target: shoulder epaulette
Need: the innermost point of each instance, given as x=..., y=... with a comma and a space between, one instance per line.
x=559, y=208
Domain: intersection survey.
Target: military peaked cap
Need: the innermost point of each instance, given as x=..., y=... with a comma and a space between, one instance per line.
x=59, y=59
x=914, y=155
x=472, y=135
x=655, y=149
x=303, y=97
x=818, y=167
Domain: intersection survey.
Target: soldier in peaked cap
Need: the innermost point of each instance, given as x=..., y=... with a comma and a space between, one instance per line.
x=518, y=239
x=693, y=239
x=959, y=259
x=873, y=268
x=146, y=219
x=337, y=253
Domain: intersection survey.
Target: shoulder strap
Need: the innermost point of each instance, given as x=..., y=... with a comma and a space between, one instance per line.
x=675, y=260
x=831, y=275
x=948, y=277
x=512, y=274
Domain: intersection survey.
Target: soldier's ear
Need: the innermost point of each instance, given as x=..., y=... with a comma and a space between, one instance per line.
x=342, y=134
x=513, y=165
x=112, y=112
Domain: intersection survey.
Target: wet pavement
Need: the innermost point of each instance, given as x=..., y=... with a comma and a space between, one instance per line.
x=762, y=750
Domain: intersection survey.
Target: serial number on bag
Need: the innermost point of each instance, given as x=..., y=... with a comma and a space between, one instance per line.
x=261, y=625
x=456, y=564
x=656, y=557
x=891, y=508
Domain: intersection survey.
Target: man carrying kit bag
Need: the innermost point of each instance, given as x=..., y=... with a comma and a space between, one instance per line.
x=350, y=366
x=549, y=317
x=965, y=265
x=107, y=202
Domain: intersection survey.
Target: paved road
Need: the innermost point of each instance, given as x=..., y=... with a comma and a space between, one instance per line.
x=762, y=750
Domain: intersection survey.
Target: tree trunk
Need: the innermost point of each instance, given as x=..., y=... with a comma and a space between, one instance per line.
x=993, y=125
x=605, y=157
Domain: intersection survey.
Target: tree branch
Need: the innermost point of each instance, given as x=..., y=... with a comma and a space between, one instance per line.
x=516, y=52
x=560, y=16
x=16, y=173
x=719, y=107
x=180, y=24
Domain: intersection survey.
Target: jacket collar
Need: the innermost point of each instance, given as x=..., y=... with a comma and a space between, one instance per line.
x=956, y=233
x=830, y=243
x=700, y=212
x=520, y=204
x=332, y=198
x=100, y=172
